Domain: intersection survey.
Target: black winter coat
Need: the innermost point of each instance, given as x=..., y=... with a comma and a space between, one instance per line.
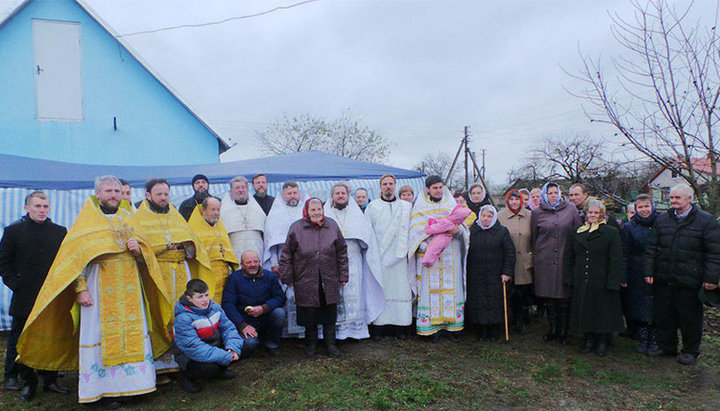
x=490, y=255
x=186, y=207
x=684, y=252
x=637, y=297
x=27, y=251
x=594, y=269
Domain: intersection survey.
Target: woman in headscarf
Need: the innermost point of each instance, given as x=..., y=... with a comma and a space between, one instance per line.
x=476, y=197
x=535, y=198
x=594, y=269
x=551, y=223
x=637, y=296
x=361, y=198
x=314, y=261
x=406, y=193
x=490, y=264
x=517, y=220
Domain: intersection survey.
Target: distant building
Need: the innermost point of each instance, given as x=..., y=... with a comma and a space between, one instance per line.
x=72, y=91
x=660, y=183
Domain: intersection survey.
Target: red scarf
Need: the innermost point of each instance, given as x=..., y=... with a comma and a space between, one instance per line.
x=306, y=215
x=513, y=193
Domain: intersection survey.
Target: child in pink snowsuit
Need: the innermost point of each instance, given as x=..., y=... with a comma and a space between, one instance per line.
x=437, y=228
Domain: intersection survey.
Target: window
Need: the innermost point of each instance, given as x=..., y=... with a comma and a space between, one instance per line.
x=58, y=79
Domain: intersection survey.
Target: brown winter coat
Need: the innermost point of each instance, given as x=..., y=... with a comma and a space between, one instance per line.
x=550, y=231
x=312, y=255
x=519, y=227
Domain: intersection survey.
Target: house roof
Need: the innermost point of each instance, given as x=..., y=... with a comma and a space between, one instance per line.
x=24, y=172
x=700, y=164
x=89, y=10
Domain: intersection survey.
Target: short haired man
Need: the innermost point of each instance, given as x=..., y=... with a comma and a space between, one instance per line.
x=390, y=219
x=284, y=212
x=27, y=250
x=681, y=257
x=243, y=218
x=201, y=188
x=260, y=186
x=254, y=301
x=578, y=196
x=126, y=193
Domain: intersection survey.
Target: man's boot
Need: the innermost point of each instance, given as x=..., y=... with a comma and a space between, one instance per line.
x=589, y=343
x=644, y=334
x=311, y=338
x=602, y=345
x=329, y=336
x=551, y=311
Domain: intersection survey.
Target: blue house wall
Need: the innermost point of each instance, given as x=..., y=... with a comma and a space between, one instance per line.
x=153, y=127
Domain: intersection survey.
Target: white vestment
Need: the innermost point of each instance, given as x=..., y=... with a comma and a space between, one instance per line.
x=363, y=298
x=277, y=225
x=440, y=288
x=244, y=224
x=391, y=221
x=96, y=380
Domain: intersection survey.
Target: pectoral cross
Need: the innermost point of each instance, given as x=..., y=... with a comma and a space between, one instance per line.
x=168, y=239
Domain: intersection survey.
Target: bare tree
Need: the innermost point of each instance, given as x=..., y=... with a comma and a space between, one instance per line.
x=664, y=101
x=439, y=164
x=344, y=136
x=571, y=158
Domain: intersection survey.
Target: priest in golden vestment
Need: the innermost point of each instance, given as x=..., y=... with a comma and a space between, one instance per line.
x=103, y=308
x=205, y=221
x=178, y=250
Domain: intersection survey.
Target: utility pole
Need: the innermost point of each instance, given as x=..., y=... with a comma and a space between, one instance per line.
x=483, y=166
x=467, y=155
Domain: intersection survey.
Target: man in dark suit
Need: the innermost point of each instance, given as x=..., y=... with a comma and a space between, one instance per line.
x=27, y=250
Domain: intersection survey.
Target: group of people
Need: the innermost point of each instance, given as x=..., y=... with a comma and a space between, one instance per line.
x=133, y=292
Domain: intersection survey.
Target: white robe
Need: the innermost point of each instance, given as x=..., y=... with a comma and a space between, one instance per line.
x=244, y=225
x=440, y=288
x=391, y=221
x=363, y=298
x=277, y=225
x=94, y=379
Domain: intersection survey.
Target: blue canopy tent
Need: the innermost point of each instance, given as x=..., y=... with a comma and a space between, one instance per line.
x=68, y=185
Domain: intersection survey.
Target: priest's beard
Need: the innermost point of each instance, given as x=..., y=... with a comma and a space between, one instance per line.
x=241, y=200
x=156, y=208
x=106, y=209
x=292, y=203
x=435, y=199
x=260, y=194
x=201, y=195
x=339, y=206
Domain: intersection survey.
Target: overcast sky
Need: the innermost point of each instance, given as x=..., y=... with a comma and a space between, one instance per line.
x=417, y=71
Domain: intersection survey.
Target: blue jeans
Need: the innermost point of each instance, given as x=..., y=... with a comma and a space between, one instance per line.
x=269, y=328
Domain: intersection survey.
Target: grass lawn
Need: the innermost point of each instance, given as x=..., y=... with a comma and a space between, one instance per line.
x=387, y=375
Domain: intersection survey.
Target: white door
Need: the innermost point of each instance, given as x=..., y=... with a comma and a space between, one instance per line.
x=58, y=78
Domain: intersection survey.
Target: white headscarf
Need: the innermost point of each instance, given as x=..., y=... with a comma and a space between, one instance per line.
x=487, y=207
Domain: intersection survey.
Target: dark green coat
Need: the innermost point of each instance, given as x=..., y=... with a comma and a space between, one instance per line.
x=594, y=269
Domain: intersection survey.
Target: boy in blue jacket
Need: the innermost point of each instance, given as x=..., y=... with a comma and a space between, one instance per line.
x=206, y=341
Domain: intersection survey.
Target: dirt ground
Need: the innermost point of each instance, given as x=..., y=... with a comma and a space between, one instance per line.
x=391, y=374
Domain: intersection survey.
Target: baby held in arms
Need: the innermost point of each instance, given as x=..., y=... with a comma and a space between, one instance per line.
x=438, y=229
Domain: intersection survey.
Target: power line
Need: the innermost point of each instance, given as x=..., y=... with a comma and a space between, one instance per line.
x=212, y=23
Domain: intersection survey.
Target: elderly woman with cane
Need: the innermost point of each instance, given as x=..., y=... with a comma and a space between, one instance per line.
x=314, y=261
x=490, y=267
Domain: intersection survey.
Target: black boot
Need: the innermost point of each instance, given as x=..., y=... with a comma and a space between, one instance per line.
x=28, y=392
x=187, y=384
x=602, y=345
x=329, y=336
x=563, y=320
x=589, y=343
x=644, y=334
x=311, y=338
x=552, y=321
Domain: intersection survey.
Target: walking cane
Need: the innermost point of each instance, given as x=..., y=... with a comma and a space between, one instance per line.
x=507, y=334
